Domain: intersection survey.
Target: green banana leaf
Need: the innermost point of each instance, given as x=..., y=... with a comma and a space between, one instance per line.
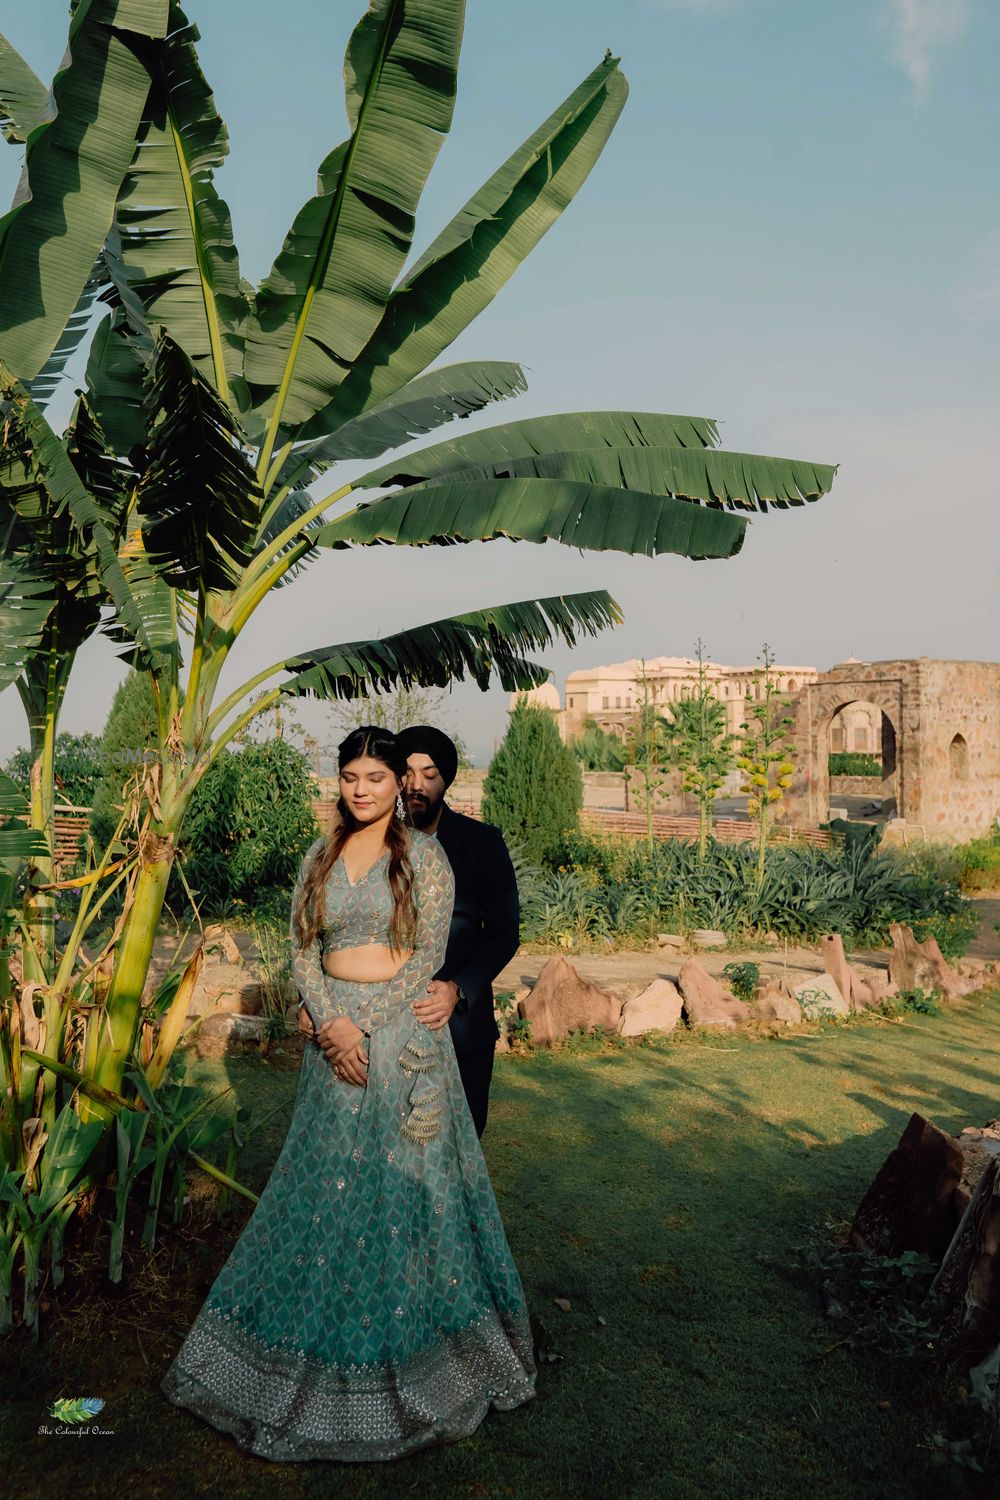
x=74, y=164
x=593, y=516
x=24, y=99
x=198, y=498
x=116, y=368
x=742, y=481
x=549, y=434
x=329, y=285
x=424, y=403
x=482, y=643
x=175, y=248
x=477, y=253
x=67, y=491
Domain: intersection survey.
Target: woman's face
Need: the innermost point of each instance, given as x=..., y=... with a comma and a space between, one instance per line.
x=369, y=788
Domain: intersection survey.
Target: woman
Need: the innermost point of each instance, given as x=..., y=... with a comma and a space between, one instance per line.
x=371, y=1305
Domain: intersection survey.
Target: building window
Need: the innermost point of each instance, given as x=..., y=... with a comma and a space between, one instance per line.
x=958, y=754
x=793, y=686
x=861, y=739
x=618, y=703
x=836, y=740
x=605, y=703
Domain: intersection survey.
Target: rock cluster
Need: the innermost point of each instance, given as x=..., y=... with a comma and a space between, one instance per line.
x=562, y=1001
x=940, y=1197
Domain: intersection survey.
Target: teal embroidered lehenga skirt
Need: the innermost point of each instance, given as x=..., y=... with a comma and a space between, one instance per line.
x=371, y=1305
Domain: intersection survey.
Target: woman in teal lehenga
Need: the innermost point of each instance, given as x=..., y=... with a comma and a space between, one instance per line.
x=371, y=1305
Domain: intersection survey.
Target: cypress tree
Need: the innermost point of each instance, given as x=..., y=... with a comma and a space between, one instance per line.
x=533, y=790
x=130, y=731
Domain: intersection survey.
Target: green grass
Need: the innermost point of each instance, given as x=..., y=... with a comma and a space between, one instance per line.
x=663, y=1190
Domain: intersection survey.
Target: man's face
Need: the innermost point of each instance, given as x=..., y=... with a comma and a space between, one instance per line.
x=424, y=789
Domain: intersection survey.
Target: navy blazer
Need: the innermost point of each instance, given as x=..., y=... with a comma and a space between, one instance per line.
x=485, y=923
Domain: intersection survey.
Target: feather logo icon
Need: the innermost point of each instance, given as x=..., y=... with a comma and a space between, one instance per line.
x=76, y=1408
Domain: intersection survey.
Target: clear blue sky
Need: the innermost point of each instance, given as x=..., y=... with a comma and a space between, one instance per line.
x=795, y=228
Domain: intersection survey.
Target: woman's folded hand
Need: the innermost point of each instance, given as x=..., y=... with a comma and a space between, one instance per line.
x=342, y=1043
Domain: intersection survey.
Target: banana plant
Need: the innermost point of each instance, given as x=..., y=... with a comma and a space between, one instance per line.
x=217, y=410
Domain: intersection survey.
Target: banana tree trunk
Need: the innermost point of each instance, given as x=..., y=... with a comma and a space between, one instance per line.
x=112, y=1035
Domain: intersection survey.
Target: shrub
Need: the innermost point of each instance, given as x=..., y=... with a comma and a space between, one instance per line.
x=77, y=768
x=979, y=862
x=533, y=790
x=743, y=980
x=854, y=763
x=608, y=888
x=248, y=825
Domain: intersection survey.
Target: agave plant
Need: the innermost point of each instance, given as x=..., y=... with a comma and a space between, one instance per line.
x=192, y=479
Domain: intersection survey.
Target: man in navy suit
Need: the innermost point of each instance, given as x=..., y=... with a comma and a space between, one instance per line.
x=485, y=922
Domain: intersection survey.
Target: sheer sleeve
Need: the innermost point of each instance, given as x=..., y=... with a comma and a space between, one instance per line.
x=310, y=977
x=434, y=897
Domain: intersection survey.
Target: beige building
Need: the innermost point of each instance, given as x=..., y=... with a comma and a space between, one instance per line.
x=610, y=695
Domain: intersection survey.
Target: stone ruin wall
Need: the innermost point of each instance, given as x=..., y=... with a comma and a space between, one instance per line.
x=941, y=745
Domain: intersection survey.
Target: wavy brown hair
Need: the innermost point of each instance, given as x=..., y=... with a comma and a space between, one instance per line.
x=310, y=915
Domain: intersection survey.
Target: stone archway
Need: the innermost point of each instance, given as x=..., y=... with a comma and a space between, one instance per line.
x=944, y=719
x=877, y=688
x=887, y=739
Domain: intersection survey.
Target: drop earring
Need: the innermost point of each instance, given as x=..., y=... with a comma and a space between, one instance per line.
x=400, y=808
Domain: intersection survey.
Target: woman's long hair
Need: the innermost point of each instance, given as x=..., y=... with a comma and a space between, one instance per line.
x=310, y=916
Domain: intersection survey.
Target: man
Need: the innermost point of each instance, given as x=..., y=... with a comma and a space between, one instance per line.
x=485, y=923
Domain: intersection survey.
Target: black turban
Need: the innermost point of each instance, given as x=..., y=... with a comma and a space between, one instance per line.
x=423, y=739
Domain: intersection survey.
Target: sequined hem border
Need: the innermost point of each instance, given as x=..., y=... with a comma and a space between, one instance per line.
x=287, y=1407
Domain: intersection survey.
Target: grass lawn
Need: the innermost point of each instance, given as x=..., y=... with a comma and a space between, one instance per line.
x=662, y=1190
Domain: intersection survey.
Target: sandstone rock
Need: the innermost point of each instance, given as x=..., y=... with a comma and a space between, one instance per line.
x=656, y=1008
x=968, y=1282
x=233, y=1027
x=831, y=951
x=911, y=1203
x=218, y=936
x=708, y=937
x=871, y=987
x=774, y=1005
x=706, y=1001
x=562, y=1001
x=921, y=966
x=820, y=992
x=669, y=940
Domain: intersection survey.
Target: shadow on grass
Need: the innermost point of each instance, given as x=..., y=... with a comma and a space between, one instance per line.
x=663, y=1191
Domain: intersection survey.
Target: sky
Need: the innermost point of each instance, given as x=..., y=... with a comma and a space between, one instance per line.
x=794, y=228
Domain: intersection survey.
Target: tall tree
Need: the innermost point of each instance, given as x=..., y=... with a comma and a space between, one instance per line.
x=700, y=746
x=766, y=751
x=533, y=790
x=647, y=746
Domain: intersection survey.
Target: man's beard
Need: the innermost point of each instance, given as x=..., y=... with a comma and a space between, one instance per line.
x=422, y=811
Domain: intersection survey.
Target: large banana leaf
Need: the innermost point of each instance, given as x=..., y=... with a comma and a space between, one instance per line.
x=198, y=498
x=115, y=372
x=75, y=163
x=480, y=643
x=330, y=283
x=423, y=404
x=24, y=99
x=741, y=481
x=26, y=603
x=592, y=516
x=176, y=248
x=100, y=469
x=67, y=492
x=482, y=247
x=549, y=434
x=46, y=382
